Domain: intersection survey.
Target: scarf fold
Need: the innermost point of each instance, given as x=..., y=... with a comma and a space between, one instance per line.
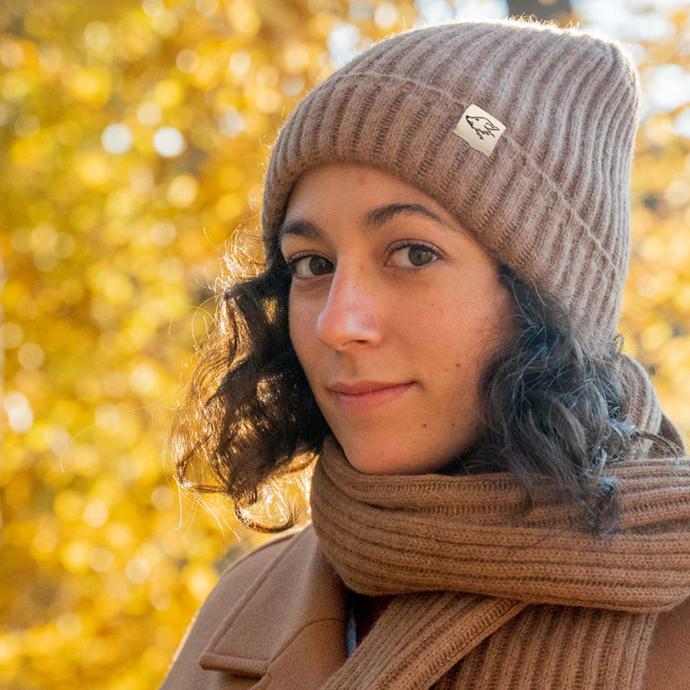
x=469, y=569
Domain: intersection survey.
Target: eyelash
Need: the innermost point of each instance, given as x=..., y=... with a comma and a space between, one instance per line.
x=292, y=260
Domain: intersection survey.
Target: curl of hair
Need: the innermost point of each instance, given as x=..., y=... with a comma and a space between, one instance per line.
x=553, y=413
x=249, y=410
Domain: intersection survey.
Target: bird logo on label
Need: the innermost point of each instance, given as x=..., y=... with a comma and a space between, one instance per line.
x=481, y=130
x=482, y=126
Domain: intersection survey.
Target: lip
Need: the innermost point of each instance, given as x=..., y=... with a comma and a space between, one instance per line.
x=367, y=395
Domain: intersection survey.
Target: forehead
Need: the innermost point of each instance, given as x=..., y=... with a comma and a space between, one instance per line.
x=362, y=194
x=329, y=182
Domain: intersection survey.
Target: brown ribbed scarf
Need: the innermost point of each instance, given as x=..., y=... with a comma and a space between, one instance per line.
x=489, y=597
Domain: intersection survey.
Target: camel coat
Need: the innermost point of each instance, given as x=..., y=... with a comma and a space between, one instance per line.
x=276, y=620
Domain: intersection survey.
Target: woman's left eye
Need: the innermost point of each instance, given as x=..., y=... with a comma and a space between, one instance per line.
x=416, y=254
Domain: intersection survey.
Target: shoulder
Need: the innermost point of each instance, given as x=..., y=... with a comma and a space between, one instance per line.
x=237, y=577
x=244, y=569
x=232, y=583
x=668, y=661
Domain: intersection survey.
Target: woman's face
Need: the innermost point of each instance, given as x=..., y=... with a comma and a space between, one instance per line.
x=390, y=292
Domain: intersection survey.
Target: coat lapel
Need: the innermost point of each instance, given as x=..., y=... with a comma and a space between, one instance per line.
x=288, y=629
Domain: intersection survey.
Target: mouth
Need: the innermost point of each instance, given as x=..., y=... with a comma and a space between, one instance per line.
x=367, y=396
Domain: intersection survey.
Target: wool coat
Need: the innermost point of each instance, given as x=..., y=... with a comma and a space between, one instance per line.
x=277, y=620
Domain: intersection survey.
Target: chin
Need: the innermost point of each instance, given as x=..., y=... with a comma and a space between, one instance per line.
x=369, y=461
x=389, y=463
x=387, y=459
x=376, y=468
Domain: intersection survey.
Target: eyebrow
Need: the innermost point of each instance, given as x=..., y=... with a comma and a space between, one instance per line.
x=375, y=218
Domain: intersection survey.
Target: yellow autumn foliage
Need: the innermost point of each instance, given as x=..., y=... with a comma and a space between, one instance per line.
x=133, y=141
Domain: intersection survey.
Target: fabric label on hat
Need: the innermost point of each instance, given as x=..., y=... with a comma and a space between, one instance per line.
x=479, y=129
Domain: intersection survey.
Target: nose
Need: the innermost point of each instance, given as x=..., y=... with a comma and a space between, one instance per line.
x=350, y=315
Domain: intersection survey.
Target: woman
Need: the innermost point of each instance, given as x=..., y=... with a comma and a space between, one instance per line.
x=498, y=499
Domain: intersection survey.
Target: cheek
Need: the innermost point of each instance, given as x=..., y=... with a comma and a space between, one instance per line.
x=295, y=327
x=300, y=326
x=438, y=323
x=451, y=335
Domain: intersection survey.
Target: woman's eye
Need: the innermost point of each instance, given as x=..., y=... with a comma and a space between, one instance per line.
x=309, y=266
x=411, y=255
x=416, y=255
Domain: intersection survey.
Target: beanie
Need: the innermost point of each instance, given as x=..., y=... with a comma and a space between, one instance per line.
x=523, y=130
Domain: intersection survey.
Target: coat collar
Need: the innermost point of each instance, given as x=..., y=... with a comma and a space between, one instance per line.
x=289, y=625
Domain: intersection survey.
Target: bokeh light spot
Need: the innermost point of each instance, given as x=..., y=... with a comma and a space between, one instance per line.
x=137, y=570
x=117, y=138
x=231, y=123
x=239, y=63
x=149, y=113
x=187, y=60
x=168, y=142
x=182, y=191
x=163, y=233
x=143, y=379
x=11, y=334
x=19, y=414
x=385, y=15
x=11, y=54
x=95, y=513
x=31, y=356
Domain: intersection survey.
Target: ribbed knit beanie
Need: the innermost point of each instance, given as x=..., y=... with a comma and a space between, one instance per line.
x=523, y=130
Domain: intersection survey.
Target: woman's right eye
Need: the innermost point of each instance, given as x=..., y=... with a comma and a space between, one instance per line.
x=308, y=266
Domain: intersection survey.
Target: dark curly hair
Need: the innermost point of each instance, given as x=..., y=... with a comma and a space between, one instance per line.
x=554, y=414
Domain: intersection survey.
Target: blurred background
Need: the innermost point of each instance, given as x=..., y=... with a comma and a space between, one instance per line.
x=134, y=137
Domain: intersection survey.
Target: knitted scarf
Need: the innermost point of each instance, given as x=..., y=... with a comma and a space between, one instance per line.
x=488, y=596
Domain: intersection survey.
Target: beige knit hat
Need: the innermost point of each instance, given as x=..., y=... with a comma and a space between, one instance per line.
x=523, y=130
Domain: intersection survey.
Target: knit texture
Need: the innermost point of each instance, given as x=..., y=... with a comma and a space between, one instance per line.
x=551, y=200
x=486, y=596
